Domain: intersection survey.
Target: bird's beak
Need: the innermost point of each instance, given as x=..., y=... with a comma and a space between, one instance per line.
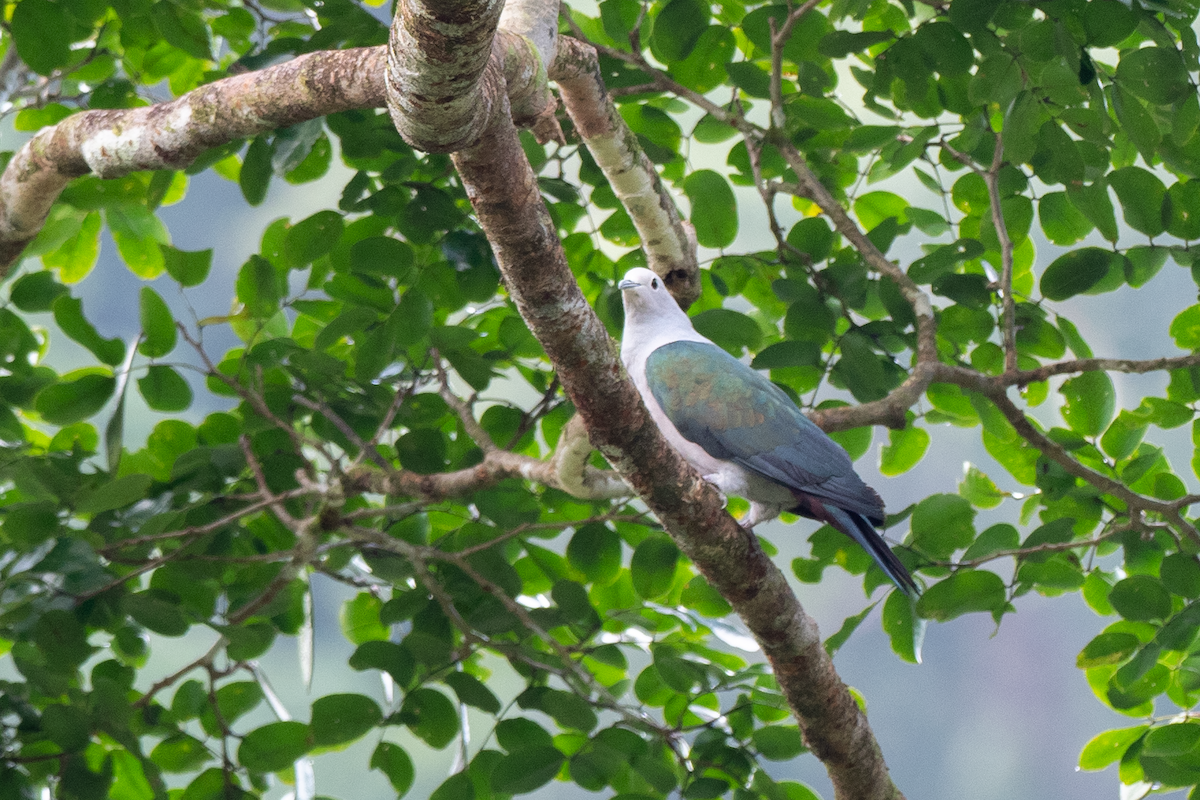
x=628, y=284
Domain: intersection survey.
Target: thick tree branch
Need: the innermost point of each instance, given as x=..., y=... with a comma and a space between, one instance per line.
x=503, y=190
x=112, y=143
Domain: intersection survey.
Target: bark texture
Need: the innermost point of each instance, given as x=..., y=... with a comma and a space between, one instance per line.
x=503, y=190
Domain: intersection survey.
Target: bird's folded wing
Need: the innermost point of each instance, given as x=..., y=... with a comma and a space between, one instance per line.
x=735, y=414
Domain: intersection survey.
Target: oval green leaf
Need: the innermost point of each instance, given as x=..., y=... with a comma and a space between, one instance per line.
x=74, y=400
x=394, y=762
x=158, y=326
x=164, y=389
x=275, y=746
x=653, y=567
x=714, y=208
x=962, y=593
x=1075, y=272
x=341, y=718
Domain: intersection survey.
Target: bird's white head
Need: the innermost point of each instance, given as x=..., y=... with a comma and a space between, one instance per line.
x=652, y=317
x=647, y=300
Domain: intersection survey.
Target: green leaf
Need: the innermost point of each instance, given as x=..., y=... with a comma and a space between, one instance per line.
x=1110, y=647
x=519, y=733
x=138, y=234
x=158, y=326
x=472, y=692
x=117, y=493
x=275, y=746
x=412, y=318
x=714, y=208
x=1093, y=201
x=943, y=523
x=182, y=29
x=1185, y=328
x=312, y=237
x=431, y=717
x=861, y=369
x=1180, y=574
x=1155, y=74
x=873, y=208
x=188, y=268
x=787, y=354
x=341, y=718
x=905, y=630
x=1108, y=22
x=1172, y=740
x=1182, y=209
x=36, y=291
x=157, y=611
x=904, y=450
x=40, y=30
x=677, y=29
x=778, y=742
x=76, y=256
x=360, y=621
x=68, y=313
x=527, y=769
x=67, y=726
x=30, y=524
x=1141, y=598
x=394, y=762
x=997, y=538
x=980, y=490
x=1123, y=435
x=1075, y=272
x=458, y=786
x=1142, y=195
x=1090, y=402
x=255, y=175
x=750, y=78
x=180, y=753
x=1143, y=263
x=1061, y=221
x=653, y=566
x=164, y=389
x=732, y=330
x=74, y=400
x=382, y=255
x=595, y=550
x=258, y=287
x=394, y=659
x=963, y=592
x=1110, y=746
x=812, y=235
x=839, y=44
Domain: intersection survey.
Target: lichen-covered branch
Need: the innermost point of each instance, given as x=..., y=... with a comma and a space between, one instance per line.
x=670, y=250
x=112, y=143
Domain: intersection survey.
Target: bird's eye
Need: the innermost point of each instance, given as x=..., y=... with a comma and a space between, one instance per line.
x=654, y=283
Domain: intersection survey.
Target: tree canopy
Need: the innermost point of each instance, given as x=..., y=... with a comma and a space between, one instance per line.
x=884, y=205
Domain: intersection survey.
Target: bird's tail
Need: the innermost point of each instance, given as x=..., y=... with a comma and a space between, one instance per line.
x=858, y=528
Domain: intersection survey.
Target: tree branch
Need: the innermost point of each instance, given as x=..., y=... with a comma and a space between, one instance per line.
x=670, y=249
x=503, y=190
x=112, y=143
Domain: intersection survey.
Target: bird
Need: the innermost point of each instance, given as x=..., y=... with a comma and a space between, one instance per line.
x=740, y=431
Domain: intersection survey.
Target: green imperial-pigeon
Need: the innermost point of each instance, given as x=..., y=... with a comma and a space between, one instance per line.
x=741, y=432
